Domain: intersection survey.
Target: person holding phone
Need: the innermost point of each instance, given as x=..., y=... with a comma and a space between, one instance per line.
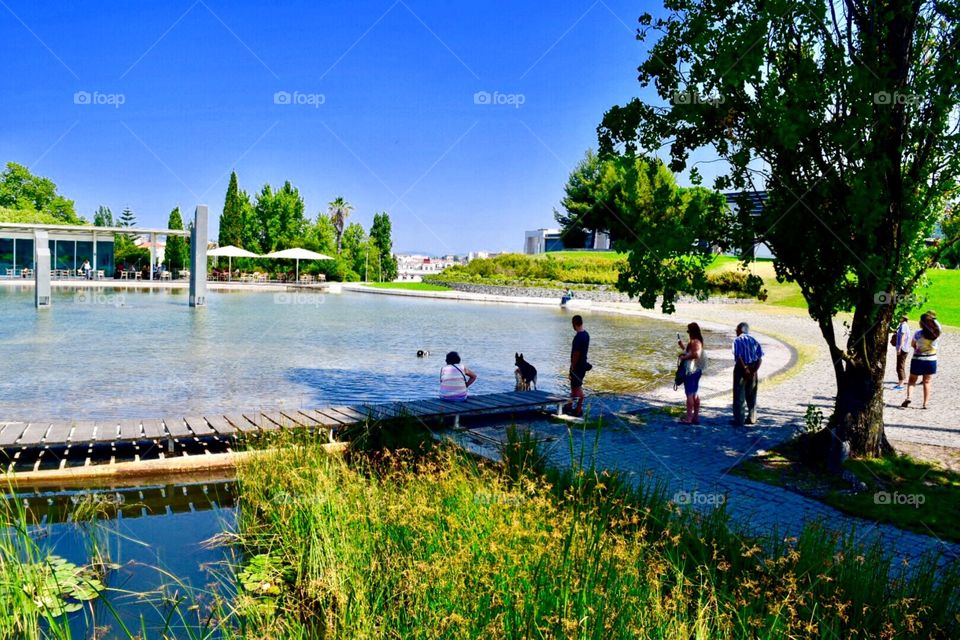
x=694, y=359
x=455, y=378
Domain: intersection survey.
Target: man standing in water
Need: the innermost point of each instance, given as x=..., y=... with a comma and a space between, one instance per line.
x=578, y=365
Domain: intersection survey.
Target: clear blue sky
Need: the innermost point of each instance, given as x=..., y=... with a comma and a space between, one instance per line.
x=398, y=129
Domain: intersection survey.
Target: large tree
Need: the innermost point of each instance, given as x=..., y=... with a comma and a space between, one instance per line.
x=339, y=210
x=176, y=254
x=233, y=215
x=20, y=189
x=380, y=236
x=846, y=114
x=278, y=218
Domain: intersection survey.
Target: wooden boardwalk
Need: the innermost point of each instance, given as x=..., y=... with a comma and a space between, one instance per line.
x=17, y=437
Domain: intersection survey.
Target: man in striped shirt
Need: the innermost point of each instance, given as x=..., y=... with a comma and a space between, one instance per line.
x=748, y=354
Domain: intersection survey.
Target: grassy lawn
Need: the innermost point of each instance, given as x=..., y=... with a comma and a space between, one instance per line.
x=411, y=286
x=910, y=494
x=943, y=296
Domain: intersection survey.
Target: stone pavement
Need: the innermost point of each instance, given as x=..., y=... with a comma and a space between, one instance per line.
x=693, y=462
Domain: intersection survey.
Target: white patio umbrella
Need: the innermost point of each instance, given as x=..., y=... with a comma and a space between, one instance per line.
x=298, y=254
x=230, y=252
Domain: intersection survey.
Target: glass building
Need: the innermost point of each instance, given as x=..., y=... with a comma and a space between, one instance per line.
x=68, y=250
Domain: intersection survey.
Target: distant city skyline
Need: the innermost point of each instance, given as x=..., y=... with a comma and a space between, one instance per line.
x=462, y=122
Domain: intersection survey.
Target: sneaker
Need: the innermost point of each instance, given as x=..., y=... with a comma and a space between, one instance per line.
x=898, y=387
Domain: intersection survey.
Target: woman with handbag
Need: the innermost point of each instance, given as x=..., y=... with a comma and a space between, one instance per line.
x=694, y=360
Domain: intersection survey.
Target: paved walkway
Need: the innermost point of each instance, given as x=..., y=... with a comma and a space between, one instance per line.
x=694, y=462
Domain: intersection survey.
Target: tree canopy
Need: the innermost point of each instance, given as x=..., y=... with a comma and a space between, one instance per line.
x=21, y=190
x=846, y=115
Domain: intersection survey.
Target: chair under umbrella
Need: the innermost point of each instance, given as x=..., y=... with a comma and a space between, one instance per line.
x=298, y=254
x=230, y=252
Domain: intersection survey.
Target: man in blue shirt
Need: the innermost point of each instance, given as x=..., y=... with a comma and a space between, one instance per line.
x=748, y=355
x=902, y=343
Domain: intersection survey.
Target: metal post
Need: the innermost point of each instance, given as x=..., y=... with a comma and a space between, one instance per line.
x=41, y=269
x=198, y=258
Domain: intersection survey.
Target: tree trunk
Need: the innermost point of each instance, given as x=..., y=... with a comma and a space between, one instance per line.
x=858, y=414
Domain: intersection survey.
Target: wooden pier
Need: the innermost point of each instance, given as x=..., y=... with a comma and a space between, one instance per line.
x=44, y=445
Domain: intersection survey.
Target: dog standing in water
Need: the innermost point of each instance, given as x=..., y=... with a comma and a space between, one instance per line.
x=526, y=373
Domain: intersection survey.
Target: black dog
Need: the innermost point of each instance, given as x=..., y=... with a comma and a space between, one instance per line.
x=422, y=354
x=526, y=373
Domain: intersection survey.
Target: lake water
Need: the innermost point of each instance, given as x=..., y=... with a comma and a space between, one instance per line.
x=116, y=353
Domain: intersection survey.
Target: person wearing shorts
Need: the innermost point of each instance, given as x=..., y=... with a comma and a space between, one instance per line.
x=694, y=359
x=923, y=365
x=578, y=366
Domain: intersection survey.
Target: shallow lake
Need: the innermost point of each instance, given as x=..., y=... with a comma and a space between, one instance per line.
x=115, y=353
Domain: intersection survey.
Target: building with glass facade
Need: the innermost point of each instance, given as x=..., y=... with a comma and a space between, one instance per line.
x=68, y=249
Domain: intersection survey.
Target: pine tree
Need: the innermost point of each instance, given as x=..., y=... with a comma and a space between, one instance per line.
x=127, y=218
x=232, y=218
x=176, y=254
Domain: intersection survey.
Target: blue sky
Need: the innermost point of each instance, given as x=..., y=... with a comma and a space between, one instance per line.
x=152, y=104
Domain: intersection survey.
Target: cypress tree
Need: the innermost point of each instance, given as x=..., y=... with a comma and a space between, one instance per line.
x=232, y=218
x=176, y=254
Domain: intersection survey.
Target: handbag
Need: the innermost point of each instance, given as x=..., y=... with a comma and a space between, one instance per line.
x=680, y=376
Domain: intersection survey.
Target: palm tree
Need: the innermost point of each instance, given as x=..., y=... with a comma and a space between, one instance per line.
x=339, y=210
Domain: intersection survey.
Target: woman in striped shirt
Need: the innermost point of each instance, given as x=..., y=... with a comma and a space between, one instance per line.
x=455, y=378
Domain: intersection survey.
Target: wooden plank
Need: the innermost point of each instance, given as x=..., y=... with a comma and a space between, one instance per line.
x=262, y=422
x=350, y=413
x=107, y=430
x=154, y=430
x=11, y=433
x=335, y=421
x=83, y=431
x=59, y=434
x=130, y=430
x=33, y=434
x=241, y=423
x=279, y=419
x=199, y=426
x=300, y=418
x=221, y=425
x=439, y=407
x=177, y=428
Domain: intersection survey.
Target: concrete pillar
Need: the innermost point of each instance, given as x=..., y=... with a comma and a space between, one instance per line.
x=153, y=253
x=41, y=269
x=94, y=254
x=198, y=258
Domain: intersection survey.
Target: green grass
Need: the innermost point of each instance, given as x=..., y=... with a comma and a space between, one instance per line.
x=410, y=286
x=910, y=494
x=943, y=296
x=440, y=546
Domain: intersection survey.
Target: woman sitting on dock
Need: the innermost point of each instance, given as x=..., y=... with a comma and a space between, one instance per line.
x=455, y=378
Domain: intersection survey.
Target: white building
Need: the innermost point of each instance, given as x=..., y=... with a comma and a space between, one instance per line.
x=546, y=240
